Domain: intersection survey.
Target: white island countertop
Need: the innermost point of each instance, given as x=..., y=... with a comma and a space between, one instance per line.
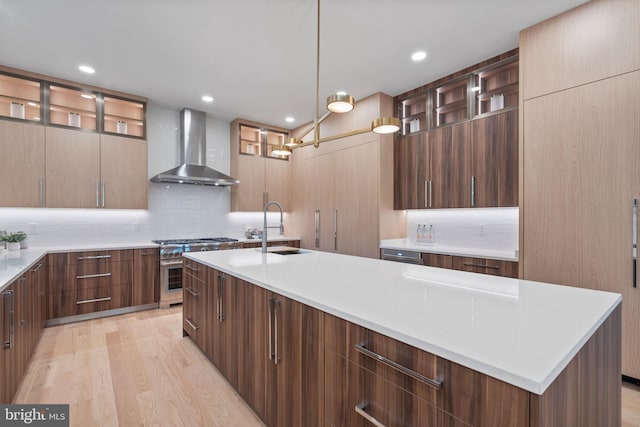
x=518, y=331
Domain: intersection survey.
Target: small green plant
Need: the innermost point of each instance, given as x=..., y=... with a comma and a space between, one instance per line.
x=18, y=236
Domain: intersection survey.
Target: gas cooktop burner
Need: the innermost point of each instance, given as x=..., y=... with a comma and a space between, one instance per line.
x=192, y=241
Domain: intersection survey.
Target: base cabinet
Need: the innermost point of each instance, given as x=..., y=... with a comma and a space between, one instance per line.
x=473, y=265
x=267, y=347
x=89, y=282
x=298, y=366
x=146, y=276
x=22, y=315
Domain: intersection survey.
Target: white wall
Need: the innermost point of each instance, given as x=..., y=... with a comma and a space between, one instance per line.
x=462, y=227
x=174, y=210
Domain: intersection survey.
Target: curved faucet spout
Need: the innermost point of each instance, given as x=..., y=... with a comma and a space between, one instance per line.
x=264, y=229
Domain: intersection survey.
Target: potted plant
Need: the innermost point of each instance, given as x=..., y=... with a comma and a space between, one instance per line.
x=13, y=240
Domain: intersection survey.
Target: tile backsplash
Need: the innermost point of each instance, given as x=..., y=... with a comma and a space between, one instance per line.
x=174, y=210
x=490, y=228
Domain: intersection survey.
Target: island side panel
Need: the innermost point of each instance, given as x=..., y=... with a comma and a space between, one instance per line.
x=588, y=391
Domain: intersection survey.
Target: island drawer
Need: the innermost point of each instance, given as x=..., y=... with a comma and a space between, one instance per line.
x=456, y=391
x=194, y=269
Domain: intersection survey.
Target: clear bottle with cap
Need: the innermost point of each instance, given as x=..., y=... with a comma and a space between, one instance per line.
x=430, y=235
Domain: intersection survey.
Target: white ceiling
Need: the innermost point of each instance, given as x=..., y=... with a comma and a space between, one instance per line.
x=257, y=57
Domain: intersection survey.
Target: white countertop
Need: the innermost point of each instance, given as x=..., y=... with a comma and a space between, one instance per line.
x=407, y=245
x=14, y=263
x=518, y=331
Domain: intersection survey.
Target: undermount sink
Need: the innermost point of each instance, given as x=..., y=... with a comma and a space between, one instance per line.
x=284, y=250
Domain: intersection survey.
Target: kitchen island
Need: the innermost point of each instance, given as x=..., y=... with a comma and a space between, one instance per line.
x=557, y=344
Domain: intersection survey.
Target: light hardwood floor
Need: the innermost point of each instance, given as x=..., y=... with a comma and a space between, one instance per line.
x=138, y=370
x=131, y=370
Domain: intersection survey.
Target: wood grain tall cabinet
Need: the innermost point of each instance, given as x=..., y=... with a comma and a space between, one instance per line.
x=580, y=155
x=342, y=192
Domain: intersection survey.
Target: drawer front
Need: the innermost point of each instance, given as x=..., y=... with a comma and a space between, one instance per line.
x=192, y=324
x=71, y=303
x=478, y=399
x=194, y=293
x=486, y=266
x=372, y=397
x=90, y=257
x=194, y=269
x=437, y=260
x=82, y=276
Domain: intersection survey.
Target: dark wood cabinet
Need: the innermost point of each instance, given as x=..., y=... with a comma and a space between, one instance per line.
x=494, y=160
x=195, y=305
x=222, y=348
x=474, y=265
x=432, y=169
x=359, y=374
x=411, y=170
x=449, y=185
x=267, y=346
x=89, y=282
x=21, y=322
x=465, y=152
x=486, y=266
x=146, y=276
x=253, y=346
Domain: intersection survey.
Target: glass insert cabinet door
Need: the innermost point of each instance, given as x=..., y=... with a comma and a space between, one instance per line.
x=72, y=107
x=261, y=142
x=19, y=98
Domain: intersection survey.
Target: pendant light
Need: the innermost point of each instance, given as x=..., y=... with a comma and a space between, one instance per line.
x=336, y=103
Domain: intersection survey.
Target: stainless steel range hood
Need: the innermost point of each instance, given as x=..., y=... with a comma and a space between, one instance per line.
x=193, y=151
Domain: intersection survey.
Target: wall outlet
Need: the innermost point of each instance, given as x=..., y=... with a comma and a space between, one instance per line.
x=33, y=228
x=135, y=228
x=482, y=229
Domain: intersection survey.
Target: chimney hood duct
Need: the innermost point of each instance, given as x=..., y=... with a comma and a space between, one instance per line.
x=193, y=151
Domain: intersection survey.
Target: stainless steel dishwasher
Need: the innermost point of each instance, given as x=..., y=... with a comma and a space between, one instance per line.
x=410, y=257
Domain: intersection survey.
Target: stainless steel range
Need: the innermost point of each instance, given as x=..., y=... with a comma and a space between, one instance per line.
x=171, y=262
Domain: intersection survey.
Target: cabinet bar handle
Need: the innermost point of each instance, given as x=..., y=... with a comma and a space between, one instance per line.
x=23, y=281
x=192, y=292
x=8, y=345
x=426, y=193
x=634, y=239
x=91, y=276
x=41, y=192
x=335, y=230
x=317, y=235
x=470, y=264
x=220, y=295
x=103, y=194
x=38, y=267
x=97, y=194
x=361, y=410
x=192, y=268
x=276, y=304
x=473, y=191
x=93, y=257
x=87, y=301
x=413, y=374
x=430, y=192
x=190, y=323
x=270, y=329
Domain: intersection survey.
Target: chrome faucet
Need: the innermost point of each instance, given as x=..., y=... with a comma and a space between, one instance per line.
x=264, y=229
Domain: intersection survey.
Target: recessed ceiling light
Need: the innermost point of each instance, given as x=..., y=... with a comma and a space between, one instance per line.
x=289, y=119
x=419, y=56
x=86, y=69
x=207, y=98
x=86, y=95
